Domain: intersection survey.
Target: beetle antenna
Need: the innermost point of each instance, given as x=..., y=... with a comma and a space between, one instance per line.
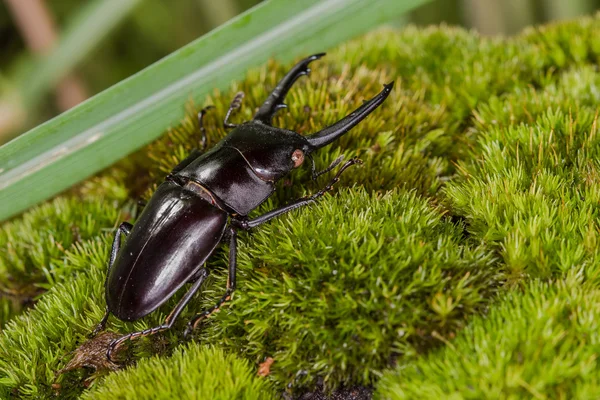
x=201, y=114
x=235, y=104
x=334, y=164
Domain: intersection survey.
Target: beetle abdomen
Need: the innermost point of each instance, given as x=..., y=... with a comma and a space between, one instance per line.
x=174, y=235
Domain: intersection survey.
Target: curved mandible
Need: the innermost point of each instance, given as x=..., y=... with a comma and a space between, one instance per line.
x=275, y=100
x=333, y=132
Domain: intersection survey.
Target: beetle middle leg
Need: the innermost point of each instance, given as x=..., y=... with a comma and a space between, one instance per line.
x=169, y=321
x=123, y=229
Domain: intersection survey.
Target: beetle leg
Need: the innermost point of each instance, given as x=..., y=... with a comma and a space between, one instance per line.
x=235, y=104
x=230, y=285
x=248, y=224
x=203, y=139
x=198, y=275
x=275, y=100
x=303, y=201
x=123, y=229
x=169, y=321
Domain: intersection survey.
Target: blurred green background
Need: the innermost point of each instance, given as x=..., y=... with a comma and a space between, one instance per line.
x=151, y=29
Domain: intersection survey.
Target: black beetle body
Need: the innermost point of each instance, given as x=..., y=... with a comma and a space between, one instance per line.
x=206, y=198
x=163, y=251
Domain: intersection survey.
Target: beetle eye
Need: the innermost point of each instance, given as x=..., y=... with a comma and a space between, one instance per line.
x=298, y=157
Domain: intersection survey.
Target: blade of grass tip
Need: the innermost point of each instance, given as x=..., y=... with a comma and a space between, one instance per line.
x=95, y=134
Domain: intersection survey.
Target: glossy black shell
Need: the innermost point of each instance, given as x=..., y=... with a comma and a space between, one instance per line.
x=179, y=229
x=242, y=169
x=187, y=216
x=173, y=237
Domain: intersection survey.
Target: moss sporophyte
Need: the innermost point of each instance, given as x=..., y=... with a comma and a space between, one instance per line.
x=461, y=260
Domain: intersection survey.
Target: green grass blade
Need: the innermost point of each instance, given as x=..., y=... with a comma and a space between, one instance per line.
x=92, y=136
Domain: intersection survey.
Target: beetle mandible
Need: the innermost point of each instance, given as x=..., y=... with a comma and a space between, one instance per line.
x=206, y=199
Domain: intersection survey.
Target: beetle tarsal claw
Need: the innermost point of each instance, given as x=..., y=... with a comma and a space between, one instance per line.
x=115, y=345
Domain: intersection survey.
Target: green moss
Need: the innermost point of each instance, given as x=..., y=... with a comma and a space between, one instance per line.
x=34, y=346
x=481, y=169
x=209, y=373
x=337, y=295
x=33, y=247
x=530, y=188
x=541, y=342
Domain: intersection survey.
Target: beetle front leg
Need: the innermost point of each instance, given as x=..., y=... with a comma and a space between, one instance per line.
x=123, y=229
x=301, y=202
x=334, y=164
x=169, y=321
x=229, y=288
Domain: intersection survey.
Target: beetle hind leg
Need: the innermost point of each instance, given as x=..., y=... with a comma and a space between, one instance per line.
x=169, y=321
x=229, y=290
x=274, y=102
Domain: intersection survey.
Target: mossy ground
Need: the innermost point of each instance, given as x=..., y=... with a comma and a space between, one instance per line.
x=462, y=259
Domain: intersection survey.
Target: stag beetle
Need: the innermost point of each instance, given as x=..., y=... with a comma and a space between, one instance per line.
x=205, y=200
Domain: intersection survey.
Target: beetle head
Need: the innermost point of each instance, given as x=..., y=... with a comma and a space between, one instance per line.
x=273, y=152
